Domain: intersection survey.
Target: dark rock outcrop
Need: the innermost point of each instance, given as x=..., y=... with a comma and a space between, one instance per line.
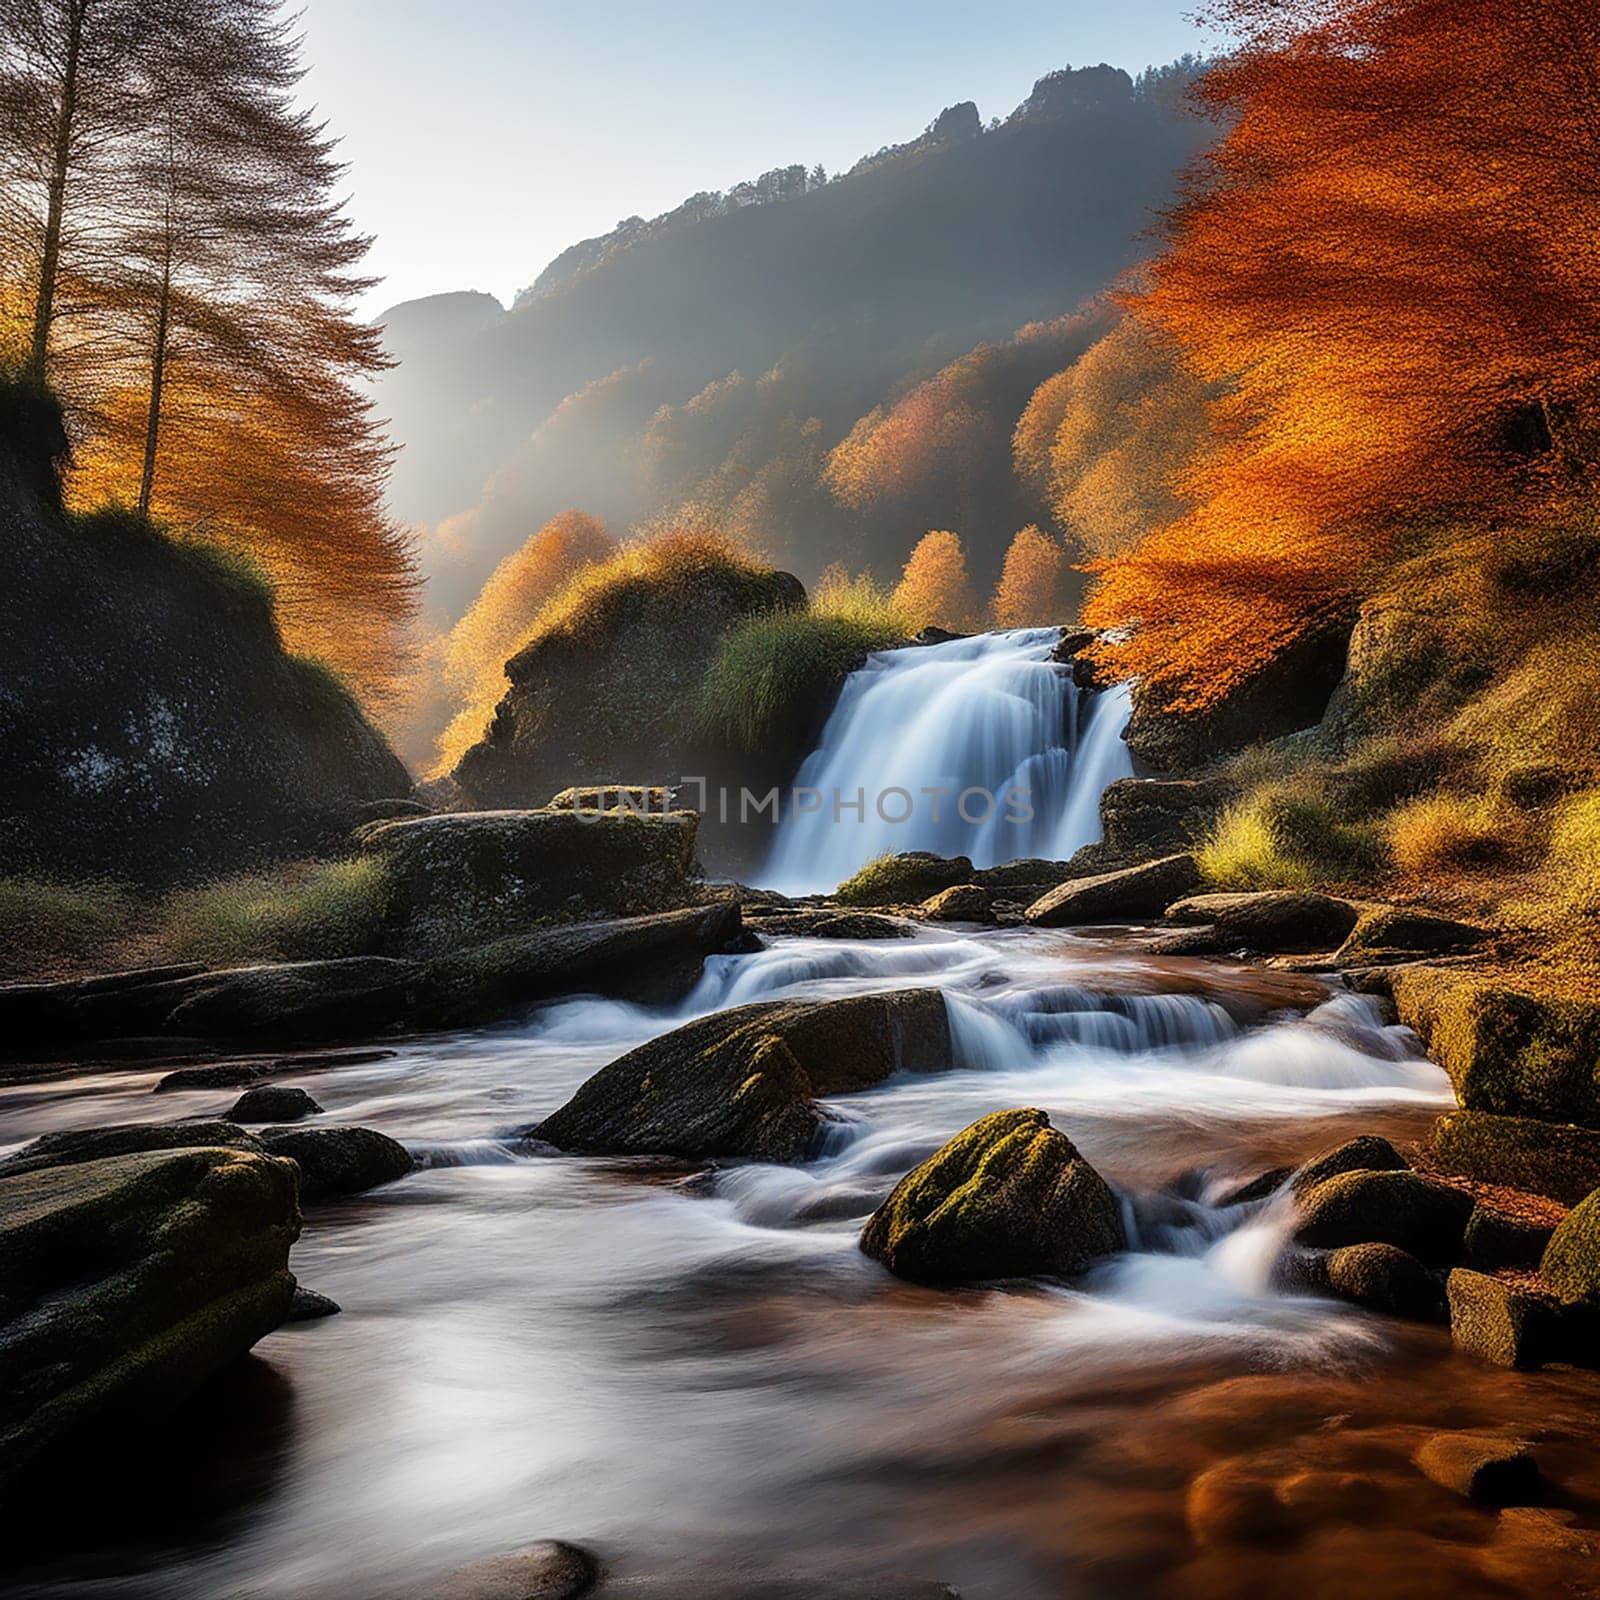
x=1392, y=933
x=613, y=698
x=1131, y=895
x=71, y=1146
x=124, y=1283
x=744, y=1082
x=1141, y=818
x=474, y=875
x=1367, y=1152
x=1553, y=1159
x=273, y=1102
x=335, y=1162
x=150, y=699
x=1383, y=1278
x=1289, y=693
x=1269, y=919
x=1404, y=1209
x=1008, y=1197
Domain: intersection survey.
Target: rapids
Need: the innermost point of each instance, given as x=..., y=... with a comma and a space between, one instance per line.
x=702, y=1375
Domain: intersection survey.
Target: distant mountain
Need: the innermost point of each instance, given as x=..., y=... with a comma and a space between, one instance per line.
x=719, y=353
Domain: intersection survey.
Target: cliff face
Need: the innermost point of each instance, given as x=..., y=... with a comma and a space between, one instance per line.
x=151, y=725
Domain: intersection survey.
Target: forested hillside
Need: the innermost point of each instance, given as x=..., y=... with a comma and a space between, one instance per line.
x=719, y=357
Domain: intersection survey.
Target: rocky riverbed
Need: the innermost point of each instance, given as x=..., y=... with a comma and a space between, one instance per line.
x=689, y=1367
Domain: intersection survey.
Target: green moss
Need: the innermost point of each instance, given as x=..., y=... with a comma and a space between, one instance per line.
x=311, y=911
x=1547, y=1158
x=1506, y=1050
x=907, y=879
x=1571, y=1264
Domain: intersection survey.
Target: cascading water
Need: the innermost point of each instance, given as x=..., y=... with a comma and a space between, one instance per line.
x=980, y=747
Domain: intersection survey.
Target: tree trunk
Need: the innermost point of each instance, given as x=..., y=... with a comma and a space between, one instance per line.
x=158, y=372
x=60, y=161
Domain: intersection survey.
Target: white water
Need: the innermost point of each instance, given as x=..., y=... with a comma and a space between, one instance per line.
x=991, y=717
x=711, y=1373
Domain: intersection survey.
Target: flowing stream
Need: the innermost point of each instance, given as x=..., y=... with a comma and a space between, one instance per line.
x=980, y=747
x=703, y=1376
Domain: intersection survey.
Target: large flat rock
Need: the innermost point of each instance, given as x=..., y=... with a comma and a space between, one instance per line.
x=1131, y=895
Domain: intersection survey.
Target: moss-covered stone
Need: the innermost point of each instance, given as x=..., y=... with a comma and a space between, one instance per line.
x=1269, y=919
x=745, y=1082
x=1571, y=1262
x=1404, y=1209
x=334, y=1162
x=1367, y=1152
x=71, y=1145
x=1507, y=1050
x=1553, y=1159
x=645, y=799
x=1008, y=1197
x=1500, y=1321
x=961, y=902
x=125, y=1282
x=903, y=880
x=820, y=923
x=1384, y=1278
x=1131, y=895
x=1496, y=1240
x=468, y=877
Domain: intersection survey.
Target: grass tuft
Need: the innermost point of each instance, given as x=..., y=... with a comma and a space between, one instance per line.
x=1286, y=835
x=1440, y=834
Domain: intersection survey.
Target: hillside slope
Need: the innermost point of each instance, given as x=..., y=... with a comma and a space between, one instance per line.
x=774, y=326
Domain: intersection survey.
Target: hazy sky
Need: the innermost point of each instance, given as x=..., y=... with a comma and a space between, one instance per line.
x=484, y=136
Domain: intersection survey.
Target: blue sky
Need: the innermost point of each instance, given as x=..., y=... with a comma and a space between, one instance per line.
x=485, y=136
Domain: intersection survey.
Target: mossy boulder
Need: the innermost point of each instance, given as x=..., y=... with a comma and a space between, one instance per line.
x=1571, y=1261
x=1269, y=919
x=1507, y=1050
x=1143, y=818
x=334, y=1162
x=1502, y=1321
x=273, y=1102
x=1132, y=894
x=70, y=1146
x=127, y=1281
x=1382, y=1277
x=903, y=880
x=466, y=877
x=816, y=922
x=1367, y=1152
x=1413, y=1213
x=1008, y=1197
x=1553, y=1159
x=646, y=799
x=1392, y=933
x=745, y=1082
x=1497, y=1240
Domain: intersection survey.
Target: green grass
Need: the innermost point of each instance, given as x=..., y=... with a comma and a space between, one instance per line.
x=46, y=925
x=1287, y=834
x=311, y=911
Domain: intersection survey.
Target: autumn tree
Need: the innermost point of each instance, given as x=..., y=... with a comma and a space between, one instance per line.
x=1032, y=588
x=933, y=590
x=1391, y=265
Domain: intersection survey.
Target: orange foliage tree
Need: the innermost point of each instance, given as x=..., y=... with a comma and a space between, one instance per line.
x=933, y=590
x=1031, y=592
x=1393, y=264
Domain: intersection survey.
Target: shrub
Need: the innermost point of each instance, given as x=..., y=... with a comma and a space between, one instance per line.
x=1574, y=859
x=1286, y=835
x=310, y=911
x=1442, y=833
x=46, y=924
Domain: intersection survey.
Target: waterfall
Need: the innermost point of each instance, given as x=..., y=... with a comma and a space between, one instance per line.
x=977, y=747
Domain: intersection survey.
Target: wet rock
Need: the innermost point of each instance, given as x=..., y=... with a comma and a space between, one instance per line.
x=71, y=1146
x=1272, y=919
x=1570, y=1265
x=457, y=878
x=903, y=880
x=127, y=1281
x=549, y=1570
x=652, y=959
x=309, y=1306
x=745, y=1081
x=239, y=1074
x=1131, y=895
x=1008, y=1197
x=1482, y=1467
x=1365, y=1153
x=1495, y=1240
x=1418, y=1214
x=334, y=1162
x=273, y=1102
x=820, y=923
x=1255, y=1189
x=1289, y=693
x=1235, y=1502
x=1500, y=1321
x=1383, y=1278
x=1553, y=1159
x=962, y=902
x=1391, y=933
x=1507, y=1051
